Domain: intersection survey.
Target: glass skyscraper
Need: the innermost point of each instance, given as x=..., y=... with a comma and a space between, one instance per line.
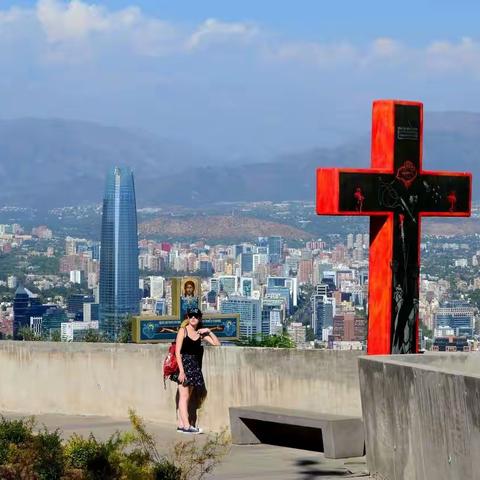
x=119, y=291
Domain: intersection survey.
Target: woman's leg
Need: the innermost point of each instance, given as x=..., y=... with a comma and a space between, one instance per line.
x=184, y=393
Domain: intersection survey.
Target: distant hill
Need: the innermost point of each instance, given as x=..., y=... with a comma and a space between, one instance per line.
x=47, y=163
x=452, y=142
x=218, y=227
x=56, y=162
x=453, y=227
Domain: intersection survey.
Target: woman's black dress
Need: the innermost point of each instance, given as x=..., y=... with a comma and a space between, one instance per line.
x=192, y=352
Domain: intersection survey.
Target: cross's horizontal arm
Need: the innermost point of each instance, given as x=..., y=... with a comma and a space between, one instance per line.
x=446, y=194
x=378, y=192
x=349, y=191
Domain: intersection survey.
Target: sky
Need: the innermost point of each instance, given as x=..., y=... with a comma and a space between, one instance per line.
x=242, y=80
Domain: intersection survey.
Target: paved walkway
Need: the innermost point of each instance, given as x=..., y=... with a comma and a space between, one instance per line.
x=243, y=462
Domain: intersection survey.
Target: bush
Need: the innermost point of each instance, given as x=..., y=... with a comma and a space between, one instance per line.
x=30, y=455
x=272, y=341
x=14, y=433
x=49, y=455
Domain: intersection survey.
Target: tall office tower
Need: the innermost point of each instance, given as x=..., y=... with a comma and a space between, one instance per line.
x=250, y=313
x=119, y=293
x=323, y=311
x=275, y=249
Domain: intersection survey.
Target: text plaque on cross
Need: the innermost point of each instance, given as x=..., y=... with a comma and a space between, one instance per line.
x=395, y=193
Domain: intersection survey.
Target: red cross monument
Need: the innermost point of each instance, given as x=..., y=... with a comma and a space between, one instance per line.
x=395, y=193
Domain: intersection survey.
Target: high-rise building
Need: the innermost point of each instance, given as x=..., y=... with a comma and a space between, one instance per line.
x=25, y=306
x=246, y=286
x=246, y=263
x=91, y=312
x=70, y=246
x=75, y=304
x=249, y=310
x=275, y=249
x=323, y=309
x=297, y=332
x=228, y=284
x=205, y=268
x=456, y=314
x=215, y=285
x=291, y=283
x=157, y=287
x=305, y=271
x=119, y=293
x=350, y=241
x=272, y=316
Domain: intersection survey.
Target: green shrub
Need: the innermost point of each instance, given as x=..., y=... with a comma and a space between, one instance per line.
x=49, y=457
x=29, y=455
x=166, y=470
x=14, y=432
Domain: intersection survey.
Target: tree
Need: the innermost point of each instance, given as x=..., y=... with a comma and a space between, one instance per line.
x=55, y=336
x=271, y=341
x=310, y=335
x=125, y=335
x=92, y=336
x=303, y=314
x=27, y=334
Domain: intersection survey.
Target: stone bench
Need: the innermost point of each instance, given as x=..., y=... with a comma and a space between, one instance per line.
x=338, y=436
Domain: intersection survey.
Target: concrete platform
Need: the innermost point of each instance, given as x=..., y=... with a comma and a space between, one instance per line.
x=243, y=462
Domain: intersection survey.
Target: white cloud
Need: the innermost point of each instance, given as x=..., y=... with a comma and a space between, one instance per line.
x=214, y=31
x=316, y=54
x=447, y=56
x=79, y=30
x=71, y=21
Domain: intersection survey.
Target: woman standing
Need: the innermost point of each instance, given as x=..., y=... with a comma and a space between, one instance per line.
x=188, y=352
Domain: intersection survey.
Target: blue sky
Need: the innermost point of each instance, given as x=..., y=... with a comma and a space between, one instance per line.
x=239, y=79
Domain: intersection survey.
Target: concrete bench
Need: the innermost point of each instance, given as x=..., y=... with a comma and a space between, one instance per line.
x=338, y=436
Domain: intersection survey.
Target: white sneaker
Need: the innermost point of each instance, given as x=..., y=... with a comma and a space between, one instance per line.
x=193, y=430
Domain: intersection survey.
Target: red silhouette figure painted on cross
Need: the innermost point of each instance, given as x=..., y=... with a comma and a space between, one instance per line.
x=359, y=197
x=452, y=200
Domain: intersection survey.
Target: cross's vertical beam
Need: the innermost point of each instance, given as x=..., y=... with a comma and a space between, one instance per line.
x=381, y=235
x=396, y=138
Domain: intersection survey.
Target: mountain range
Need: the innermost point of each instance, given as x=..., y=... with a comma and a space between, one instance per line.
x=46, y=163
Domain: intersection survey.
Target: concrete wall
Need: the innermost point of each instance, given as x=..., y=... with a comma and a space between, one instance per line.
x=422, y=416
x=107, y=379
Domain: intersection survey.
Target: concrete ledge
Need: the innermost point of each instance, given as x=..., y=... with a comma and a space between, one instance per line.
x=338, y=436
x=422, y=415
x=107, y=379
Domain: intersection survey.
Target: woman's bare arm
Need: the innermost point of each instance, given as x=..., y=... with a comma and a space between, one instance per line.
x=178, y=349
x=212, y=339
